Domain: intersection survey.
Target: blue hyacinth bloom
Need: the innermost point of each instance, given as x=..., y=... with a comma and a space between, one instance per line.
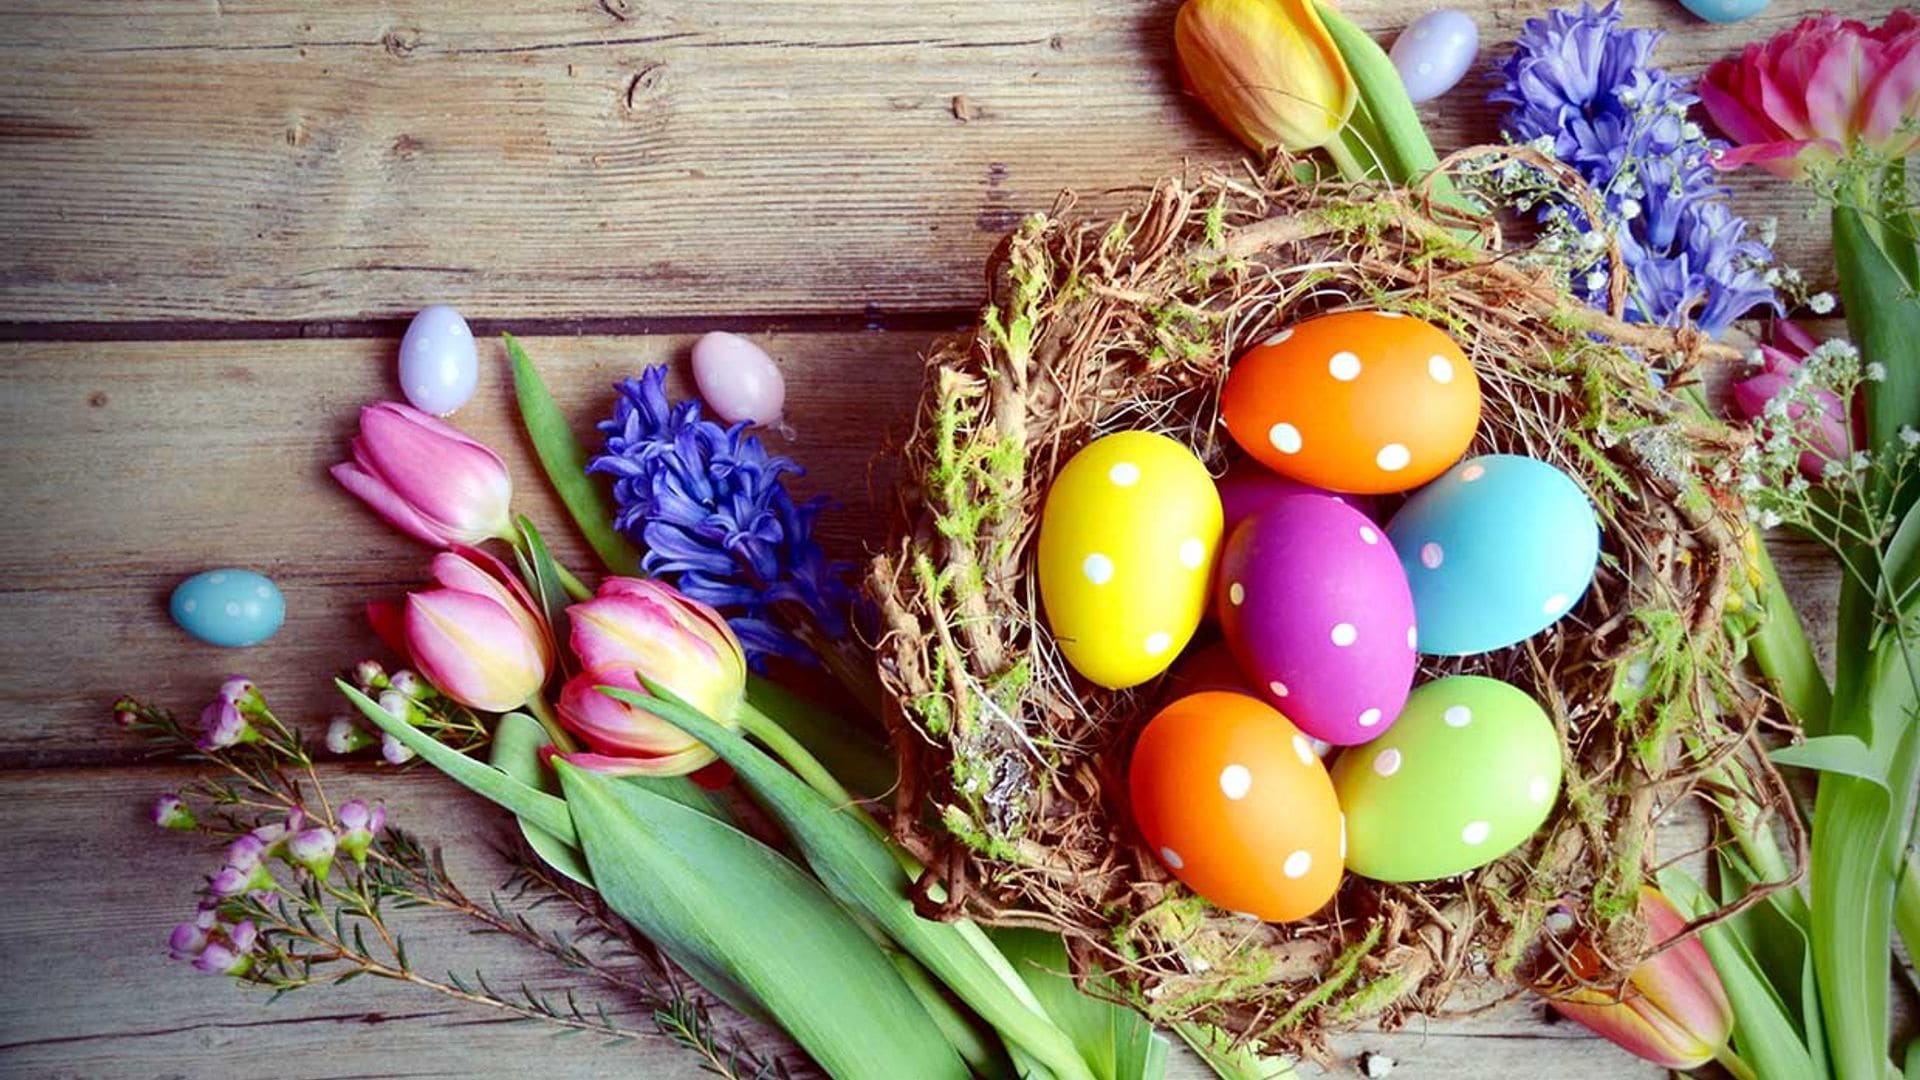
x=1584, y=89
x=709, y=508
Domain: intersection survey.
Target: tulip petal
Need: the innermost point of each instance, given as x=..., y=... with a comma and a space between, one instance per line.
x=678, y=764
x=472, y=649
x=373, y=491
x=468, y=569
x=1894, y=98
x=456, y=484
x=616, y=727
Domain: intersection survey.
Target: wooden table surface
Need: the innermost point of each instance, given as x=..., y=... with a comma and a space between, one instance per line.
x=218, y=214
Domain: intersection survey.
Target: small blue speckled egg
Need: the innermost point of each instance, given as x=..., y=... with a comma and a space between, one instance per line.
x=1725, y=11
x=1435, y=50
x=1496, y=550
x=229, y=607
x=439, y=365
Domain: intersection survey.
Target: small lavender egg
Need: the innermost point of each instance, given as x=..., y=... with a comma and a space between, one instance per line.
x=1433, y=53
x=1724, y=11
x=438, y=362
x=229, y=607
x=738, y=379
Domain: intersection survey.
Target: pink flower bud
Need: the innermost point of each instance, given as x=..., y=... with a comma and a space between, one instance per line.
x=312, y=850
x=246, y=852
x=220, y=958
x=426, y=477
x=222, y=725
x=407, y=683
x=170, y=811
x=369, y=675
x=186, y=941
x=394, y=751
x=241, y=692
x=1827, y=88
x=345, y=736
x=479, y=638
x=359, y=824
x=1672, y=1010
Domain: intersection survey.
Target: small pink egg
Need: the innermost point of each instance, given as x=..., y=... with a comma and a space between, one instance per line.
x=1316, y=608
x=738, y=380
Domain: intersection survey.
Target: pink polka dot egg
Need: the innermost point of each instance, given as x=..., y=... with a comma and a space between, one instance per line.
x=1315, y=606
x=1468, y=774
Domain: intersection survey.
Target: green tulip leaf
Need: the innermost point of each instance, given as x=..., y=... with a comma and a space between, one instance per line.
x=530, y=804
x=858, y=868
x=710, y=891
x=1843, y=754
x=565, y=462
x=543, y=577
x=844, y=748
x=1883, y=319
x=517, y=740
x=1763, y=1030
x=1115, y=1041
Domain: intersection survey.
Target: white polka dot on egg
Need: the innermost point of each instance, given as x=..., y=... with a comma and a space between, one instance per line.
x=1236, y=594
x=1554, y=605
x=216, y=579
x=1193, y=553
x=1369, y=718
x=1097, y=568
x=1344, y=366
x=1387, y=762
x=1124, y=473
x=1440, y=368
x=1458, y=716
x=1413, y=637
x=1277, y=688
x=1475, y=833
x=1432, y=555
x=1235, y=782
x=1172, y=858
x=1343, y=837
x=1297, y=864
x=1158, y=642
x=1284, y=437
x=1344, y=634
x=1303, y=750
x=1392, y=457
x=233, y=608
x=190, y=605
x=1538, y=789
x=1471, y=473
x=1368, y=535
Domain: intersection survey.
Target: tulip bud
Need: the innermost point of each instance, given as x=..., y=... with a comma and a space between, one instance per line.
x=359, y=824
x=1267, y=69
x=1672, y=1010
x=634, y=628
x=170, y=811
x=479, y=638
x=427, y=478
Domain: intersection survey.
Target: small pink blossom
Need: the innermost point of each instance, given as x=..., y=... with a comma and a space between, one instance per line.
x=170, y=811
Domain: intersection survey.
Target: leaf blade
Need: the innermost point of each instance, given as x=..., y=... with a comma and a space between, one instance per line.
x=565, y=462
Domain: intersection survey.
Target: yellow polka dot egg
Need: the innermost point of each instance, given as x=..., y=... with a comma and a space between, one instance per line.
x=1467, y=774
x=1127, y=543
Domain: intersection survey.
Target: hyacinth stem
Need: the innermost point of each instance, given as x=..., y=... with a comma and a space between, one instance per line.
x=563, y=740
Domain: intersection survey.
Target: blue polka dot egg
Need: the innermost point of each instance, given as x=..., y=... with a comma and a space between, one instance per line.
x=230, y=607
x=1496, y=549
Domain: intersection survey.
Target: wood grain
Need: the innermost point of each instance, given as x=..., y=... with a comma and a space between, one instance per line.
x=128, y=466
x=93, y=890
x=260, y=160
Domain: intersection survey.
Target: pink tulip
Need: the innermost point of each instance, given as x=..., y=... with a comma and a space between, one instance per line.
x=1827, y=88
x=1824, y=427
x=1672, y=1010
x=426, y=477
x=478, y=637
x=634, y=627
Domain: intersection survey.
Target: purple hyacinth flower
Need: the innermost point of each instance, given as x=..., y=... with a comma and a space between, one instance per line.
x=1584, y=87
x=710, y=508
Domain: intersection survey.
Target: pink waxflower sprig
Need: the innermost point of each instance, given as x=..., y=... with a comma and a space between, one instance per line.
x=404, y=694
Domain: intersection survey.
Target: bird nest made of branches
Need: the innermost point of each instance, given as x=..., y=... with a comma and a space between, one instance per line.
x=1014, y=769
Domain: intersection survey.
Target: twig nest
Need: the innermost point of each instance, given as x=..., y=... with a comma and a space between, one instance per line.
x=1133, y=324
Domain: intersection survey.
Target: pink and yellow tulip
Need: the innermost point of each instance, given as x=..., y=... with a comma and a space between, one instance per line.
x=631, y=628
x=1827, y=88
x=1267, y=69
x=479, y=637
x=1672, y=1011
x=426, y=477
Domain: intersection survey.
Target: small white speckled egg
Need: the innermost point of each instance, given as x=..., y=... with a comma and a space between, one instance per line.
x=1126, y=549
x=439, y=364
x=1434, y=52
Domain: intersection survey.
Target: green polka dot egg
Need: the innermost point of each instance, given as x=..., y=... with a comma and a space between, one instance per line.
x=1468, y=773
x=1127, y=543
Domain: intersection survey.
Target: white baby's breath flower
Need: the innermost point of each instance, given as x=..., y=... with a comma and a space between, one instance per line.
x=1629, y=209
x=1876, y=372
x=1769, y=519
x=1833, y=470
x=1597, y=280
x=1821, y=303
x=1769, y=230
x=1908, y=436
x=1542, y=144
x=1772, y=277
x=1860, y=461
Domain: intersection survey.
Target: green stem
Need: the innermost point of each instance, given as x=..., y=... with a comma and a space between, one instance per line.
x=1345, y=159
x=801, y=760
x=1732, y=1062
x=1785, y=656
x=563, y=740
x=574, y=586
x=1906, y=906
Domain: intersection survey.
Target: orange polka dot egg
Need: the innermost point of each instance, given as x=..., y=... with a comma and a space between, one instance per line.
x=1367, y=402
x=1232, y=798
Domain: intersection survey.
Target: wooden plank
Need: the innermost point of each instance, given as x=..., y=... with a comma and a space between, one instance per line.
x=258, y=160
x=93, y=891
x=129, y=466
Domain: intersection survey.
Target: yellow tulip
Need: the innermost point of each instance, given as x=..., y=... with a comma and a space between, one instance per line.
x=1267, y=69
